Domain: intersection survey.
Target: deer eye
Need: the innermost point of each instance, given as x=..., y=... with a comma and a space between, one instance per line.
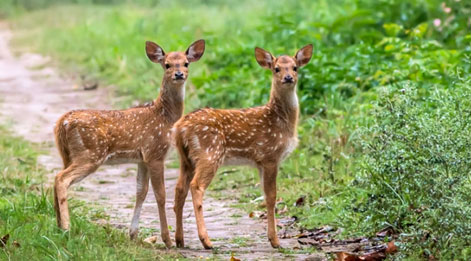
x=295, y=68
x=277, y=69
x=186, y=64
x=167, y=65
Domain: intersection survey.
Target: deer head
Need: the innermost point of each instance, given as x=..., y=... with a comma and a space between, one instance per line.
x=175, y=64
x=284, y=68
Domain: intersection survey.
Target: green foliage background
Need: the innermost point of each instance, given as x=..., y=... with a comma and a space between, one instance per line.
x=378, y=66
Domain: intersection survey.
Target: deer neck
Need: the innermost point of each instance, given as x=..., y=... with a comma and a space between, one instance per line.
x=169, y=104
x=284, y=103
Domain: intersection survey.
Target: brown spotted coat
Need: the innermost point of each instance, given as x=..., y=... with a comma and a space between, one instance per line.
x=261, y=136
x=87, y=139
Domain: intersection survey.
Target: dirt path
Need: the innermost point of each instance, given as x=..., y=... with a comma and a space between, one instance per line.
x=33, y=96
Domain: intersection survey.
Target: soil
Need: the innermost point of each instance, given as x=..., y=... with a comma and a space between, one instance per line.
x=33, y=95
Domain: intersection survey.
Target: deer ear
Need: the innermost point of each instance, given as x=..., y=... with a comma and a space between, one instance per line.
x=264, y=58
x=303, y=56
x=195, y=51
x=155, y=52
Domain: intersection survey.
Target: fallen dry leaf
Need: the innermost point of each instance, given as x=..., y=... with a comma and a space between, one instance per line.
x=308, y=241
x=286, y=221
x=90, y=86
x=150, y=240
x=342, y=256
x=375, y=248
x=388, y=231
x=300, y=201
x=4, y=240
x=391, y=248
x=263, y=215
x=375, y=256
x=324, y=229
x=259, y=214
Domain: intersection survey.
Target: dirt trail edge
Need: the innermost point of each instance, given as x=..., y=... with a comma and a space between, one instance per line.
x=32, y=98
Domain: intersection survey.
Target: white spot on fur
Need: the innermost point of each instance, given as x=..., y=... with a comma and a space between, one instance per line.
x=195, y=141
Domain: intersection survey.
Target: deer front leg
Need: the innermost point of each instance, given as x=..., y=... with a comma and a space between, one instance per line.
x=141, y=193
x=204, y=173
x=269, y=187
x=156, y=172
x=260, y=175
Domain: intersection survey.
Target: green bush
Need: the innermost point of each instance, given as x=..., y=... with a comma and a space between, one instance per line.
x=416, y=168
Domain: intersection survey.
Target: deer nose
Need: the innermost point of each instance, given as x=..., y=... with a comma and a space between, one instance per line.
x=178, y=75
x=288, y=78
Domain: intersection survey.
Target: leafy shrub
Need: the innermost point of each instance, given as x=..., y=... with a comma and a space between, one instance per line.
x=416, y=168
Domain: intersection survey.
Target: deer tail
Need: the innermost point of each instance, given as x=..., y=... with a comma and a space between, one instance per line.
x=60, y=132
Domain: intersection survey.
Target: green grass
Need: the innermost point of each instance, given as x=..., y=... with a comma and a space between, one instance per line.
x=240, y=241
x=27, y=215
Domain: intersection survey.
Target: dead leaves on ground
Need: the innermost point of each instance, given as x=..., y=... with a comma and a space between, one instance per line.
x=356, y=249
x=285, y=222
x=323, y=238
x=280, y=209
x=258, y=214
x=300, y=201
x=378, y=253
x=391, y=248
x=4, y=240
x=388, y=231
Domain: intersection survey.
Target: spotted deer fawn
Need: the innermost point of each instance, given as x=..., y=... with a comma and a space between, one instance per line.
x=87, y=139
x=261, y=136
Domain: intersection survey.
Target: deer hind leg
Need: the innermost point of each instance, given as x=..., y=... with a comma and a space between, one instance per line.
x=181, y=192
x=269, y=187
x=72, y=174
x=204, y=173
x=141, y=193
x=156, y=172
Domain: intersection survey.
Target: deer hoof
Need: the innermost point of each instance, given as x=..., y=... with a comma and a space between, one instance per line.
x=206, y=243
x=133, y=233
x=180, y=243
x=168, y=243
x=275, y=243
